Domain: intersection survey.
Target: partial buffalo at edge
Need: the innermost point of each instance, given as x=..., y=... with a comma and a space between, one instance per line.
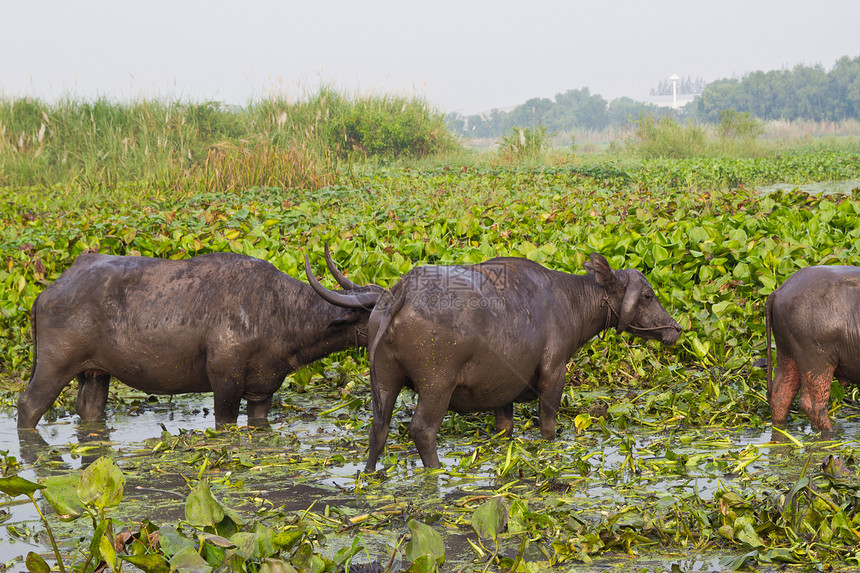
x=815, y=319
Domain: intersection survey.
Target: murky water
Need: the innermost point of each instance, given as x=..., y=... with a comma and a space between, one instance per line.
x=305, y=437
x=818, y=188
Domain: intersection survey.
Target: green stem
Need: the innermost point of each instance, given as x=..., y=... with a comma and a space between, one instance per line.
x=50, y=534
x=519, y=558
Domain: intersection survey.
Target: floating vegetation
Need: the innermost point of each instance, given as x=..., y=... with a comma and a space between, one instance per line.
x=664, y=460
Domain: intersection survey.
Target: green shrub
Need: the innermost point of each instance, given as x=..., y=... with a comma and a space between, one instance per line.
x=664, y=137
x=736, y=125
x=394, y=127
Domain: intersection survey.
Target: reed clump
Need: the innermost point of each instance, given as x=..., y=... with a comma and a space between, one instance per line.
x=172, y=144
x=232, y=167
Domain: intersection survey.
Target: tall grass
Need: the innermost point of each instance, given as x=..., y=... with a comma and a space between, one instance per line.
x=172, y=144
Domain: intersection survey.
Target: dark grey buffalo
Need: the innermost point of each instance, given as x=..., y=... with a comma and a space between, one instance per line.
x=815, y=317
x=481, y=337
x=223, y=323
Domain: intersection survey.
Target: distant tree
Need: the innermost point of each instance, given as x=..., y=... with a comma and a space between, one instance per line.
x=845, y=78
x=804, y=92
x=455, y=123
x=625, y=111
x=738, y=125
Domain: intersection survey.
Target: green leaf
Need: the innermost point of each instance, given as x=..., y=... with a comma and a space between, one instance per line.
x=660, y=254
x=35, y=563
x=582, y=422
x=171, y=541
x=189, y=561
x=423, y=564
x=490, y=518
x=722, y=308
x=425, y=541
x=103, y=530
x=347, y=552
x=782, y=555
x=15, y=486
x=767, y=281
x=62, y=493
x=698, y=235
x=275, y=566
x=253, y=545
x=287, y=539
x=201, y=508
x=621, y=409
x=738, y=563
x=149, y=562
x=748, y=536
x=700, y=348
x=216, y=540
x=101, y=484
x=526, y=249
x=742, y=271
x=107, y=551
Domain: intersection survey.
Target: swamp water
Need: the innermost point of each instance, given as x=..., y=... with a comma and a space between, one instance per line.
x=307, y=463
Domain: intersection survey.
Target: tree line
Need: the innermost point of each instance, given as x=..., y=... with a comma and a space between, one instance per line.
x=803, y=92
x=569, y=111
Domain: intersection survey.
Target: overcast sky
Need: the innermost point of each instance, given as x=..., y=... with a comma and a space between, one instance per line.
x=462, y=56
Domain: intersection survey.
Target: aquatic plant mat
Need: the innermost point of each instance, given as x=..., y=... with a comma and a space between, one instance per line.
x=664, y=459
x=652, y=495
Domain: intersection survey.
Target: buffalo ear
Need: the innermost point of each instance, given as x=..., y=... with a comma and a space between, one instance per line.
x=629, y=303
x=598, y=267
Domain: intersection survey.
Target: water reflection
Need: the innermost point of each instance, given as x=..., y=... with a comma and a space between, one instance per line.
x=592, y=469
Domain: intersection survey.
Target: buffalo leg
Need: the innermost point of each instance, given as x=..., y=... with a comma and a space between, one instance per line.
x=227, y=407
x=258, y=411
x=385, y=384
x=428, y=417
x=550, y=388
x=93, y=391
x=815, y=397
x=45, y=386
x=227, y=390
x=783, y=388
x=505, y=419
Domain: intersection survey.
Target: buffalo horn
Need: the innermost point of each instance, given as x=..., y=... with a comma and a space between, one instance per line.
x=345, y=299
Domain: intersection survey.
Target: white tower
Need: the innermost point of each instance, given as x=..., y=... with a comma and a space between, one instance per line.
x=674, y=79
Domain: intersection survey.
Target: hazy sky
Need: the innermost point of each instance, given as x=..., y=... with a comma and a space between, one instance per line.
x=462, y=56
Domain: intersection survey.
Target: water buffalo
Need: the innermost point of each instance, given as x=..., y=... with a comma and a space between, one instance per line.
x=223, y=323
x=481, y=337
x=815, y=318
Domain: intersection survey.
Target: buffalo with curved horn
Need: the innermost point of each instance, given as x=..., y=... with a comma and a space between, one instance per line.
x=481, y=337
x=223, y=323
